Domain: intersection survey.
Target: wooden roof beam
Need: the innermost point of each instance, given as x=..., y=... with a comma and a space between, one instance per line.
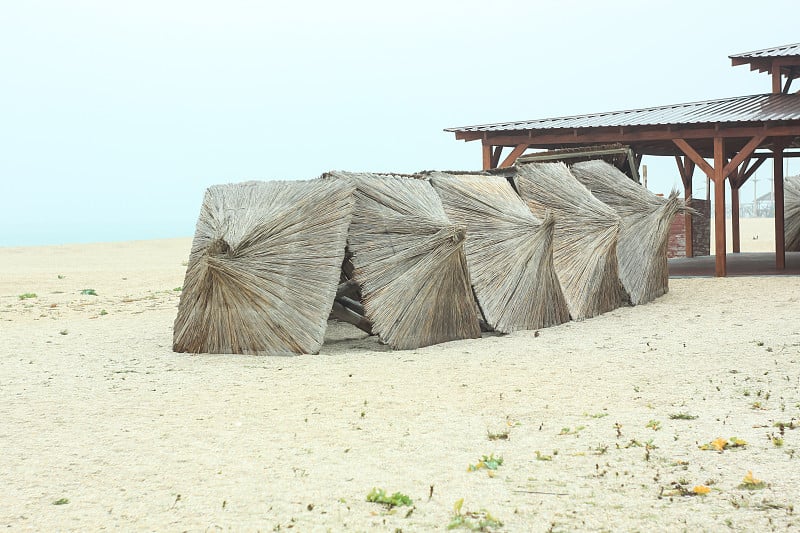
x=743, y=154
x=512, y=157
x=692, y=154
x=592, y=135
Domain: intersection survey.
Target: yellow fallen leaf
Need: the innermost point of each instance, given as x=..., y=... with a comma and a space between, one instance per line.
x=719, y=444
x=701, y=489
x=750, y=480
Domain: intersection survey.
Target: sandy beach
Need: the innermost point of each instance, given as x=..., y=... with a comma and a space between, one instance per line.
x=599, y=423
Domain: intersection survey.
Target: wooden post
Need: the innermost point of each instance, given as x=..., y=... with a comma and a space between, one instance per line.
x=735, y=218
x=686, y=170
x=487, y=156
x=777, y=172
x=721, y=269
x=776, y=77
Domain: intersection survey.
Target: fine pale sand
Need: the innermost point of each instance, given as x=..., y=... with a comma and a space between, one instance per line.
x=755, y=235
x=96, y=409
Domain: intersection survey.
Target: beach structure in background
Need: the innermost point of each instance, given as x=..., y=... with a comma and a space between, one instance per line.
x=646, y=221
x=792, y=199
x=264, y=267
x=409, y=261
x=585, y=237
x=509, y=251
x=726, y=138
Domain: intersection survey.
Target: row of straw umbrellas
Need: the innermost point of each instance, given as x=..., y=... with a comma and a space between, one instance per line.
x=419, y=259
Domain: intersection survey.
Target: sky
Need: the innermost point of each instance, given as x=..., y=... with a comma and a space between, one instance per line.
x=116, y=116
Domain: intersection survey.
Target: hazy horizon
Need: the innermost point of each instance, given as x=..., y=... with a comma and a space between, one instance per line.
x=117, y=116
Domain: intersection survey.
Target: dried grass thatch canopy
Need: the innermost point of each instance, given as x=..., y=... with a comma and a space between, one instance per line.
x=409, y=261
x=585, y=238
x=264, y=267
x=644, y=235
x=509, y=252
x=791, y=187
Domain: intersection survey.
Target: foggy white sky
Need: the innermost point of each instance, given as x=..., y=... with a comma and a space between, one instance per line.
x=115, y=116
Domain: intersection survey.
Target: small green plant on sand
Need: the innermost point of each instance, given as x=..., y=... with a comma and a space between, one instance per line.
x=27, y=296
x=89, y=292
x=570, y=431
x=489, y=462
x=500, y=435
x=103, y=312
x=61, y=501
x=473, y=520
x=178, y=289
x=682, y=416
x=655, y=425
x=397, y=499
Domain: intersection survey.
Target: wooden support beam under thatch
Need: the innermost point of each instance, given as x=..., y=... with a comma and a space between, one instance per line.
x=644, y=234
x=585, y=237
x=409, y=261
x=509, y=252
x=791, y=198
x=264, y=267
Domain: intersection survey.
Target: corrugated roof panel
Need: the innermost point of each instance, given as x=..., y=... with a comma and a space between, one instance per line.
x=755, y=108
x=777, y=51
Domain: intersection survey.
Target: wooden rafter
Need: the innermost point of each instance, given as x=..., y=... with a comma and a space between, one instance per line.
x=743, y=154
x=606, y=135
x=498, y=151
x=512, y=157
x=696, y=158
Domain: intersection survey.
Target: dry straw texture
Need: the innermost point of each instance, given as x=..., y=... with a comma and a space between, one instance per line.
x=585, y=237
x=644, y=234
x=264, y=267
x=791, y=214
x=509, y=252
x=409, y=261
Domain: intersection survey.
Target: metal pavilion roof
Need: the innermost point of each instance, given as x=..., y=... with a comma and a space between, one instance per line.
x=754, y=108
x=785, y=50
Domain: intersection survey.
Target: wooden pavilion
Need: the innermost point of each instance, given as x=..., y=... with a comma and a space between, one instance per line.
x=737, y=135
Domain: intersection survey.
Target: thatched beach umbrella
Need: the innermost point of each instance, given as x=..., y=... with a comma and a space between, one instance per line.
x=644, y=234
x=791, y=213
x=585, y=238
x=409, y=261
x=509, y=252
x=264, y=267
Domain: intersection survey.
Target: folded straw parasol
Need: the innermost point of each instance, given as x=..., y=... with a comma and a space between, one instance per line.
x=644, y=234
x=585, y=237
x=509, y=252
x=264, y=267
x=409, y=261
x=791, y=213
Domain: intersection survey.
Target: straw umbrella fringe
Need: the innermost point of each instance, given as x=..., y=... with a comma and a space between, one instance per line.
x=644, y=234
x=264, y=267
x=409, y=261
x=509, y=252
x=791, y=213
x=584, y=240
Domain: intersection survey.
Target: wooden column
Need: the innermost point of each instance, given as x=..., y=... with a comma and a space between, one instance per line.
x=735, y=234
x=721, y=265
x=686, y=169
x=777, y=172
x=776, y=77
x=487, y=156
